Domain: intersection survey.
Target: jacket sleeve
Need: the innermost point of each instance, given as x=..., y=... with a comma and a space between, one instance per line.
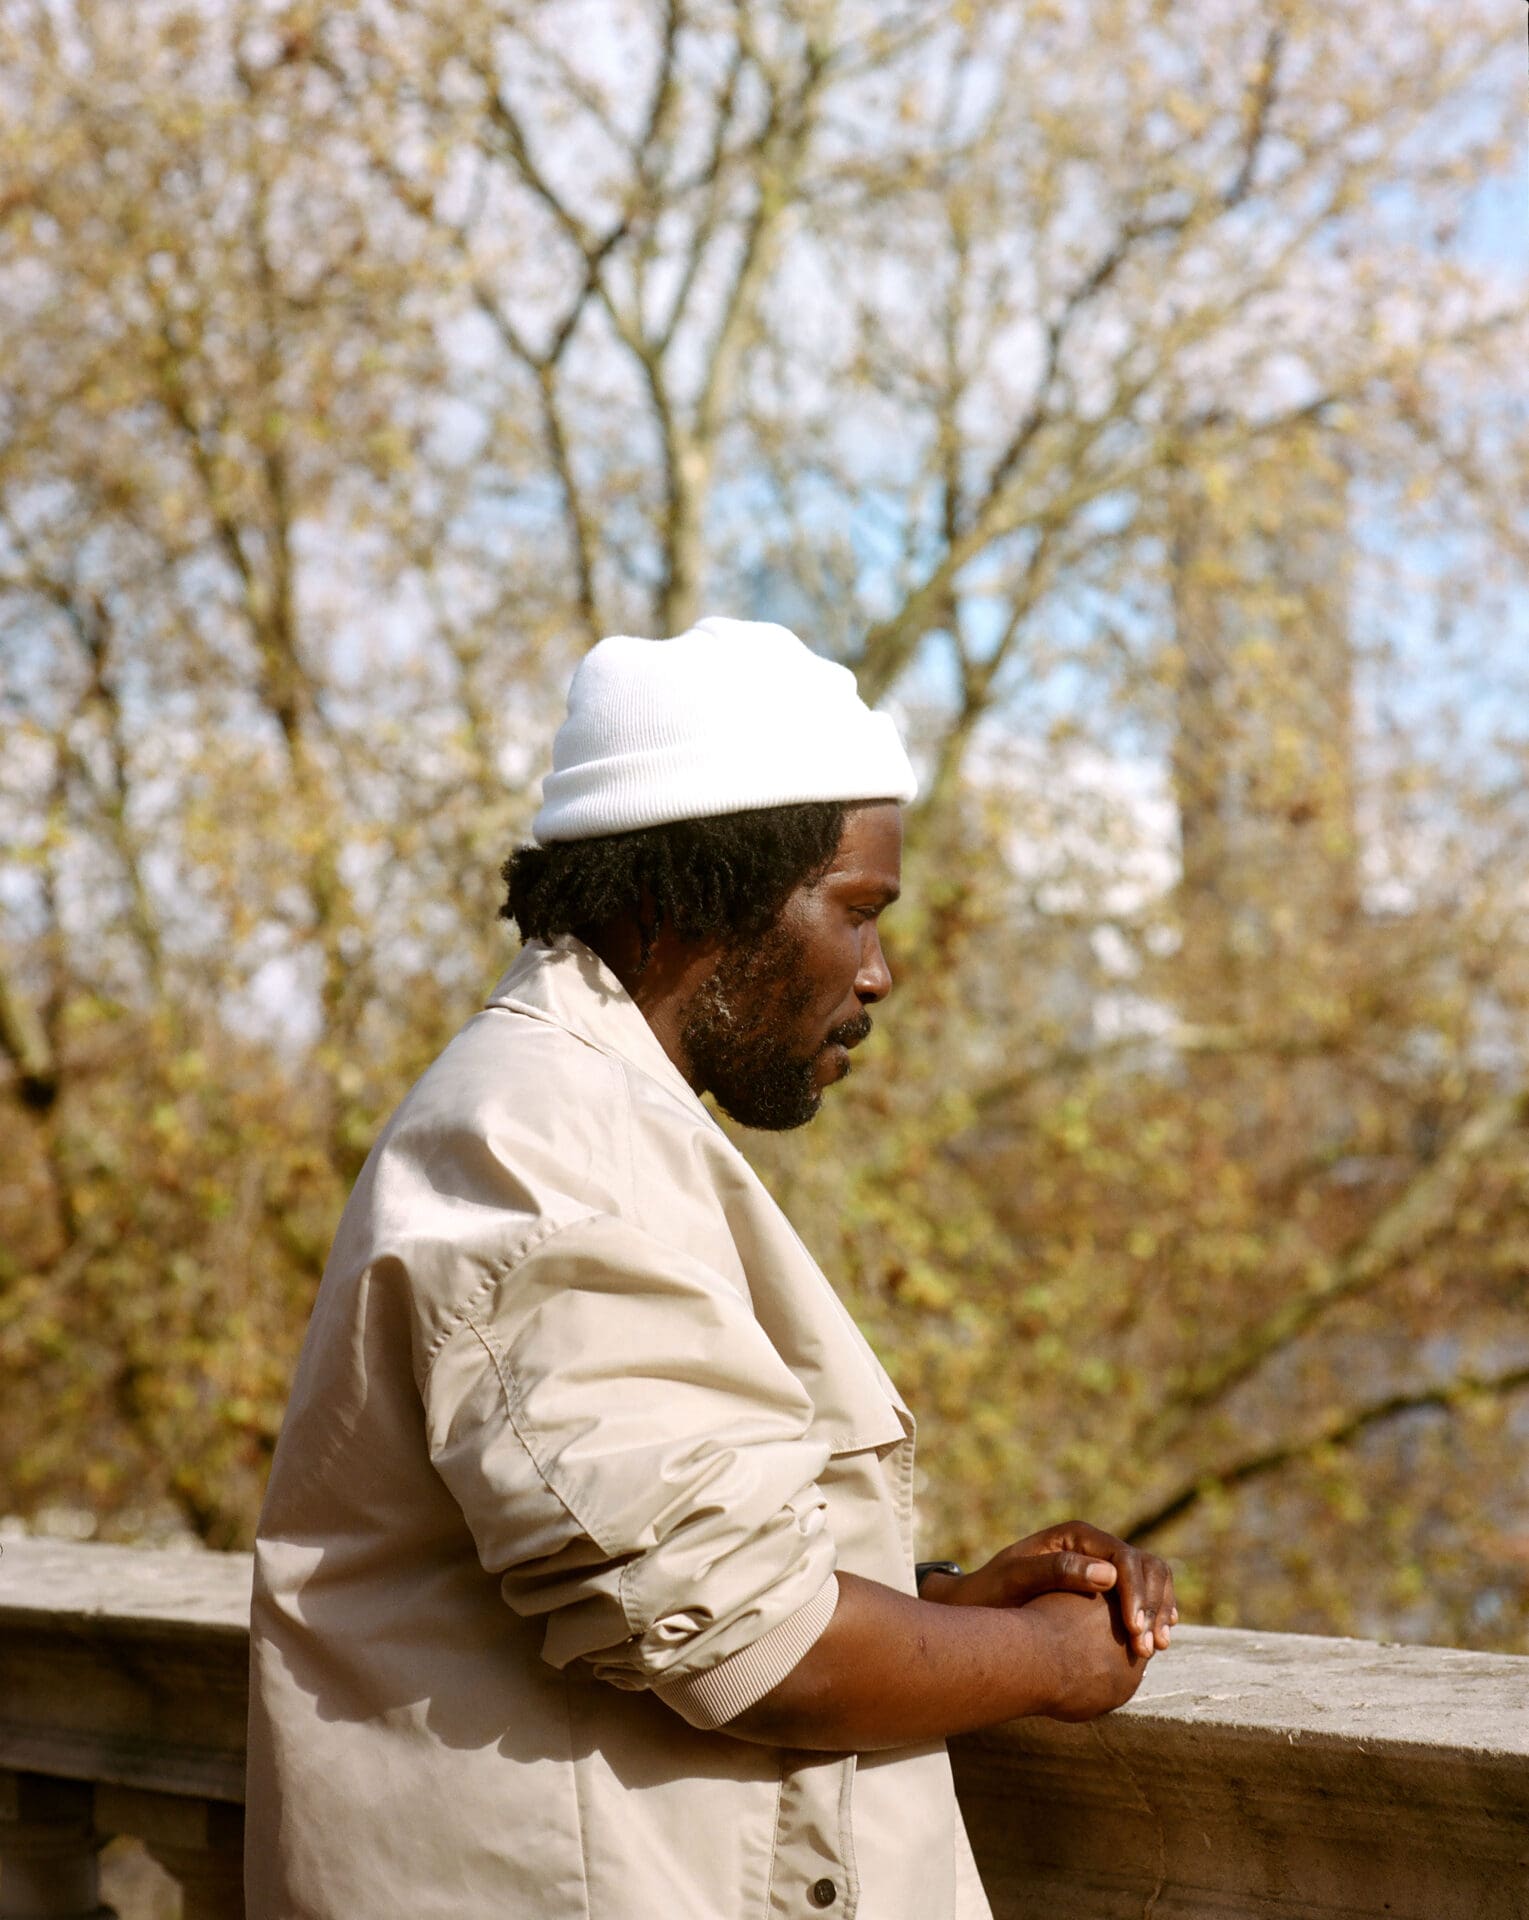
x=633, y=1459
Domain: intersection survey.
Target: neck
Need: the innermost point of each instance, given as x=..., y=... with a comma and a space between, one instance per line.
x=663, y=986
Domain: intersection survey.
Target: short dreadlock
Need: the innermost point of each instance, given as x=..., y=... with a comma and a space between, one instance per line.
x=726, y=876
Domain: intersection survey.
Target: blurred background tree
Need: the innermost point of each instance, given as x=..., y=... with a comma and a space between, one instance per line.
x=1130, y=393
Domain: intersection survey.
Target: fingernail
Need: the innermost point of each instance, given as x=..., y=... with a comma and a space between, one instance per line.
x=1141, y=1618
x=1100, y=1571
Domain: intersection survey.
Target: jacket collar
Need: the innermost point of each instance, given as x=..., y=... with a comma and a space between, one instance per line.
x=566, y=983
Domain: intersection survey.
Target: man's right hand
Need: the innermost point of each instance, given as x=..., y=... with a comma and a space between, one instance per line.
x=1093, y=1665
x=890, y=1671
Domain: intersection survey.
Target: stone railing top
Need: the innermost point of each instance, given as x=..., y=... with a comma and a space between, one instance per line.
x=118, y=1589
x=1362, y=1692
x=1261, y=1687
x=1356, y=1691
x=125, y=1667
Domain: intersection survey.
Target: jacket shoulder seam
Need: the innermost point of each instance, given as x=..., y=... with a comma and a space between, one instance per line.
x=505, y=1377
x=538, y=1237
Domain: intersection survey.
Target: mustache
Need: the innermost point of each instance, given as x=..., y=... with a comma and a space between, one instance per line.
x=852, y=1032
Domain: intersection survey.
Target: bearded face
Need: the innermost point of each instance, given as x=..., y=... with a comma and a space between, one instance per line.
x=750, y=1038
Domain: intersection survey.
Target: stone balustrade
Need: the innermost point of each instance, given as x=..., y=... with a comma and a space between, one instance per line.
x=1266, y=1774
x=1254, y=1775
x=123, y=1688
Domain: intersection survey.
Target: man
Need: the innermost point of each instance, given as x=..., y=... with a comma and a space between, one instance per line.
x=584, y=1587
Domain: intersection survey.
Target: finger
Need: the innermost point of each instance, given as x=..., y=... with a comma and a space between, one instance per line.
x=1039, y=1573
x=1159, y=1583
x=1130, y=1584
x=1142, y=1582
x=1137, y=1602
x=1081, y=1536
x=1156, y=1598
x=1136, y=1590
x=1167, y=1611
x=1151, y=1612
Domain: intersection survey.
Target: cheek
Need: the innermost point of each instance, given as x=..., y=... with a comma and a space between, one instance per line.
x=832, y=952
x=841, y=965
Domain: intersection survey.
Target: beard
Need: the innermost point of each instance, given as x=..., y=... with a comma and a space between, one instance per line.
x=735, y=1028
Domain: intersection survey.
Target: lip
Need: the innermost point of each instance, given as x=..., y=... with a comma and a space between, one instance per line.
x=833, y=1063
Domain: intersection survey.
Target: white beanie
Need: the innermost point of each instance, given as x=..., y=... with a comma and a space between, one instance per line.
x=733, y=714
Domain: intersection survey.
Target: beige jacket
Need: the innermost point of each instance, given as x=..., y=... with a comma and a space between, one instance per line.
x=578, y=1439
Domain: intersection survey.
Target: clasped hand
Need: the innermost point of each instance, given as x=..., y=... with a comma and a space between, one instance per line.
x=1073, y=1558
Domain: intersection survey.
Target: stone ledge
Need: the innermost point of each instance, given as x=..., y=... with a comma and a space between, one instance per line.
x=125, y=1667
x=1362, y=1691
x=1267, y=1774
x=164, y=1591
x=1255, y=1775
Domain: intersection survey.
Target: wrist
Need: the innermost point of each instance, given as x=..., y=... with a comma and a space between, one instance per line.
x=936, y=1579
x=1023, y=1659
x=1044, y=1659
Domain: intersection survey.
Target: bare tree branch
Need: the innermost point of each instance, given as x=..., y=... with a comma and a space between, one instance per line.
x=1260, y=110
x=1401, y=1233
x=25, y=1039
x=1339, y=1430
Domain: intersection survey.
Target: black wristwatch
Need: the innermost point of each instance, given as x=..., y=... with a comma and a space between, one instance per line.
x=933, y=1566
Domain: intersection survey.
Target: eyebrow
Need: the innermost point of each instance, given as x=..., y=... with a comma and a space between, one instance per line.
x=885, y=895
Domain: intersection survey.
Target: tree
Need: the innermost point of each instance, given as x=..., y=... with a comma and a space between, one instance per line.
x=1047, y=363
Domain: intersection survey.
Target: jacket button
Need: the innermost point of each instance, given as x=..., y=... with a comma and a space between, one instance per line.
x=822, y=1893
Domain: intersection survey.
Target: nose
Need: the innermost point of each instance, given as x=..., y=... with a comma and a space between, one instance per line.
x=873, y=981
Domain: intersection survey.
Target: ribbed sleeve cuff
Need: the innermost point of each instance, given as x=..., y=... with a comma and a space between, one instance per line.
x=709, y=1700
